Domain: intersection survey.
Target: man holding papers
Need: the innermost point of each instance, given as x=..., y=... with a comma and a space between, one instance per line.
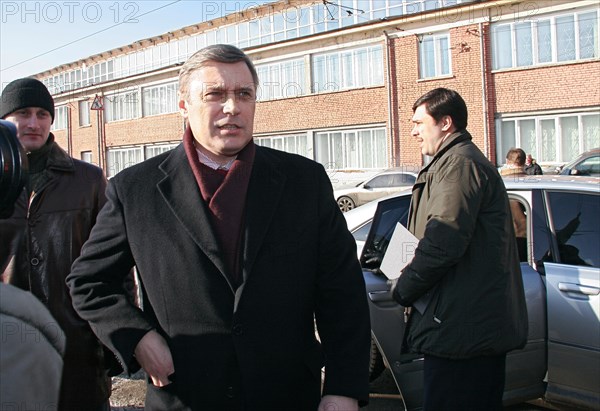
x=466, y=263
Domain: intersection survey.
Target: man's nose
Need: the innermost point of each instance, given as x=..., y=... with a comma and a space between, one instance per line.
x=231, y=105
x=32, y=122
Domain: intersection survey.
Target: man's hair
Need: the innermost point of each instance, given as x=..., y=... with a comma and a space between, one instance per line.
x=516, y=156
x=442, y=102
x=220, y=53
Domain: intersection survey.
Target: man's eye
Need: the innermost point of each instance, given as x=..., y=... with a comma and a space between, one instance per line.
x=245, y=95
x=213, y=96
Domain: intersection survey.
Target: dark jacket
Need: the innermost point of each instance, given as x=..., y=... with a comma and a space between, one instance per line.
x=39, y=243
x=533, y=169
x=254, y=346
x=466, y=258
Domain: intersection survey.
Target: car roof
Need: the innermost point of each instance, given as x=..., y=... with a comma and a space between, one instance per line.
x=358, y=215
x=559, y=182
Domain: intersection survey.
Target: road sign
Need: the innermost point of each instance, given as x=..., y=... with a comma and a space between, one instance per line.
x=97, y=104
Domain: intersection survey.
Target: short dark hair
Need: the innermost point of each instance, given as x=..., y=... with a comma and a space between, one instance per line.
x=517, y=156
x=442, y=102
x=221, y=53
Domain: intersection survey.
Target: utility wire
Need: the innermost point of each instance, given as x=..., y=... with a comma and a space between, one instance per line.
x=89, y=35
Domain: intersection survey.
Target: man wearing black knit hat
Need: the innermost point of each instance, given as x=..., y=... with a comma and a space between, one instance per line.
x=51, y=220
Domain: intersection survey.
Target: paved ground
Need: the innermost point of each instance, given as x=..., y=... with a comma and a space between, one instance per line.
x=128, y=395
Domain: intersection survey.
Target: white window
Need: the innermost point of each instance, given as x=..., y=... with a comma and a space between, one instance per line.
x=555, y=138
x=84, y=113
x=60, y=118
x=281, y=80
x=547, y=39
x=351, y=68
x=160, y=99
x=119, y=159
x=434, y=55
x=153, y=151
x=122, y=106
x=296, y=143
x=352, y=149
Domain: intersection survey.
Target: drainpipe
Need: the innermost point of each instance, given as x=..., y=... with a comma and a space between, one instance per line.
x=394, y=149
x=486, y=143
x=69, y=131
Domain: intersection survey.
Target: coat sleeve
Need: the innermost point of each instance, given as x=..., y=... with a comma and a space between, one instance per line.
x=451, y=212
x=342, y=312
x=97, y=281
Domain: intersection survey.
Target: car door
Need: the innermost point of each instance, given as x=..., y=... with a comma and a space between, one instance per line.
x=387, y=316
x=573, y=298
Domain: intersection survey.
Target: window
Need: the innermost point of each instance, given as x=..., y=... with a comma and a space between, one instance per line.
x=351, y=68
x=118, y=159
x=86, y=156
x=121, y=158
x=352, y=149
x=296, y=144
x=281, y=80
x=84, y=113
x=60, y=118
x=160, y=99
x=556, y=138
x=550, y=39
x=577, y=227
x=434, y=56
x=122, y=106
x=153, y=151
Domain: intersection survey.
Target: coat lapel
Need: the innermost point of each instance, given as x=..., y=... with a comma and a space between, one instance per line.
x=180, y=191
x=264, y=196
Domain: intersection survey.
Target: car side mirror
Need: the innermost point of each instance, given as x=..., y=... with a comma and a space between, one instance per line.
x=574, y=172
x=367, y=187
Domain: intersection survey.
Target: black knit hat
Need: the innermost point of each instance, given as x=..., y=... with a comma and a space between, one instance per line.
x=25, y=92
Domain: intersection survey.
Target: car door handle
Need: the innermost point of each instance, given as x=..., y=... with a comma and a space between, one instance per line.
x=381, y=296
x=578, y=288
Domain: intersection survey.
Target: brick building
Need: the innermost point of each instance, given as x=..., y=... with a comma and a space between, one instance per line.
x=338, y=79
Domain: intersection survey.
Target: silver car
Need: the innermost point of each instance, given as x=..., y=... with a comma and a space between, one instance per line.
x=560, y=262
x=380, y=185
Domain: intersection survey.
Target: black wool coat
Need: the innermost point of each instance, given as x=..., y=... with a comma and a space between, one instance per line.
x=253, y=348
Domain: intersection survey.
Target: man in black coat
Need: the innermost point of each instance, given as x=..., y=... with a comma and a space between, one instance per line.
x=239, y=249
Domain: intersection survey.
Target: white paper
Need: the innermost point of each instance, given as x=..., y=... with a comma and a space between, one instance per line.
x=399, y=252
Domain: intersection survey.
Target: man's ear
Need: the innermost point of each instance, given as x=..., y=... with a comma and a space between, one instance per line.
x=447, y=123
x=183, y=107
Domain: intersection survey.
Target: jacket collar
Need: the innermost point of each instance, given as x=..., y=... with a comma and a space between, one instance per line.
x=452, y=140
x=58, y=159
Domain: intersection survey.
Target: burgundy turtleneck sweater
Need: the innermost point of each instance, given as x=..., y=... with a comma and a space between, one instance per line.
x=224, y=191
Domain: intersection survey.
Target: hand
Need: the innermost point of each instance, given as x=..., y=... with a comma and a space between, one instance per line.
x=153, y=354
x=338, y=403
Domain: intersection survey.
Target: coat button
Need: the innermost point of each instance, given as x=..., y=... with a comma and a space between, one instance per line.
x=35, y=261
x=229, y=393
x=238, y=329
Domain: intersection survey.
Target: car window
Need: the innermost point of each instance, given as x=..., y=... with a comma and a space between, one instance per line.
x=402, y=179
x=380, y=181
x=576, y=223
x=388, y=213
x=589, y=167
